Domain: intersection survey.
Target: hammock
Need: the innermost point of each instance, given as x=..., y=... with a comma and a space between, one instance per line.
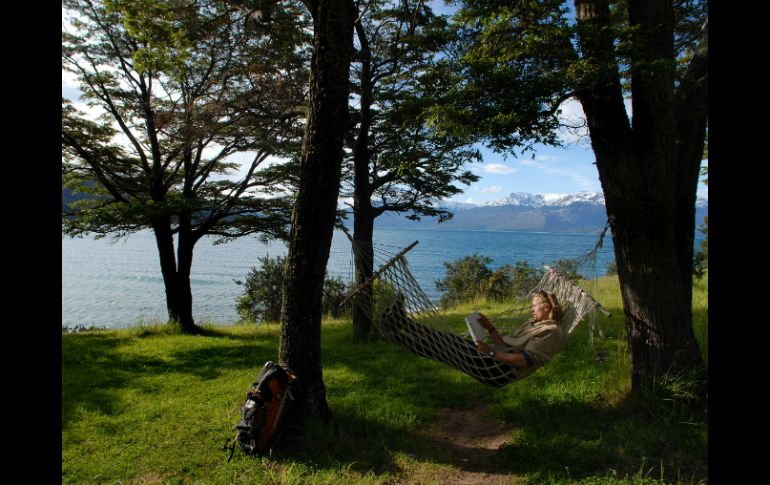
x=403, y=314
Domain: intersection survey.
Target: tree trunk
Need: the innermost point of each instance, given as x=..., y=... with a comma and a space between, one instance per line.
x=176, y=282
x=314, y=212
x=363, y=233
x=184, y=266
x=363, y=216
x=638, y=169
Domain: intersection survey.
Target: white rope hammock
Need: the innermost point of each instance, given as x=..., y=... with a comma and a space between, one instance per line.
x=403, y=314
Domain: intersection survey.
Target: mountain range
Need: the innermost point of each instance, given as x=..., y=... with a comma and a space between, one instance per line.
x=521, y=211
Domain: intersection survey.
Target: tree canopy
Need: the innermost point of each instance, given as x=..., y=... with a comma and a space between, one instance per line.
x=181, y=89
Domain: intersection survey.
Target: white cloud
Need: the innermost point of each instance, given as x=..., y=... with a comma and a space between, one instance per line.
x=582, y=181
x=573, y=118
x=540, y=161
x=532, y=163
x=470, y=200
x=499, y=168
x=489, y=190
x=546, y=158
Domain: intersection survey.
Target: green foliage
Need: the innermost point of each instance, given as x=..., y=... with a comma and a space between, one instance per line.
x=261, y=297
x=409, y=165
x=334, y=292
x=470, y=278
x=506, y=74
x=524, y=277
x=465, y=279
x=180, y=85
x=612, y=267
x=568, y=267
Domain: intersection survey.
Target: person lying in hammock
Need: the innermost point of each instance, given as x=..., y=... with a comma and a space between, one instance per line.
x=535, y=343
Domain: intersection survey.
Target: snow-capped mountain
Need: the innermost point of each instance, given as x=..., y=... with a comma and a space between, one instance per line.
x=525, y=199
x=521, y=211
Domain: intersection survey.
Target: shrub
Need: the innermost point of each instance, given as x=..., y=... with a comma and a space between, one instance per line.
x=335, y=291
x=261, y=297
x=470, y=278
x=568, y=267
x=524, y=277
x=464, y=280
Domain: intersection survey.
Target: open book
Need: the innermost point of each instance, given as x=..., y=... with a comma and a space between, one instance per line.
x=474, y=327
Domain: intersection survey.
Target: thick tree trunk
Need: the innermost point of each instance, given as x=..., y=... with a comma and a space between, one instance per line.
x=315, y=209
x=638, y=171
x=176, y=281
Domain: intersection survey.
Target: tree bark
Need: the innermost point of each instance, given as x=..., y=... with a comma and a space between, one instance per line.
x=363, y=235
x=176, y=280
x=314, y=212
x=692, y=117
x=642, y=175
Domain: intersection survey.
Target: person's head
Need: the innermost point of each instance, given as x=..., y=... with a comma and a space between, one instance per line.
x=545, y=306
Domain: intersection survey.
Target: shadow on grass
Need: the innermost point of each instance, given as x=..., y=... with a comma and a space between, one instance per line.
x=587, y=441
x=563, y=437
x=96, y=367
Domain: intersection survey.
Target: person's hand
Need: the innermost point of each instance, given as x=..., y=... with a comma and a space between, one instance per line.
x=485, y=322
x=483, y=347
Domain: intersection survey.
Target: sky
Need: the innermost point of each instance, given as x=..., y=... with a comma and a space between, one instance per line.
x=565, y=170
x=545, y=170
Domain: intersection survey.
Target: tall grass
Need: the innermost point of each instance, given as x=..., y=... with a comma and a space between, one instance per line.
x=150, y=405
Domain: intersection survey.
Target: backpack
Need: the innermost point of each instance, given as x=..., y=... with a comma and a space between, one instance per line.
x=265, y=405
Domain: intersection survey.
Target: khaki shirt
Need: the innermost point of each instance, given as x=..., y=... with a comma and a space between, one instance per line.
x=540, y=340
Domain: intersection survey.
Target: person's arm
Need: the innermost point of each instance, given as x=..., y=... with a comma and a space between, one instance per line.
x=493, y=333
x=516, y=359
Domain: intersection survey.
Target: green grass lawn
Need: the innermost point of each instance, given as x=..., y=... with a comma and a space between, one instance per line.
x=148, y=405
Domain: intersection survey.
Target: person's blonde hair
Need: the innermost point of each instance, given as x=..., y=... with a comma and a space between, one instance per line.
x=555, y=313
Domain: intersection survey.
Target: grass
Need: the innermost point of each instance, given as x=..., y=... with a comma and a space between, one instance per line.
x=149, y=405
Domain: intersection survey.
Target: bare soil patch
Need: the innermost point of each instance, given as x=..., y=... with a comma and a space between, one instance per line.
x=469, y=439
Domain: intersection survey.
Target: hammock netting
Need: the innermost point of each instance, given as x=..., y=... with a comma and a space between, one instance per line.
x=403, y=314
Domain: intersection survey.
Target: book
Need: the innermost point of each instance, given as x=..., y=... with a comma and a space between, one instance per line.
x=474, y=327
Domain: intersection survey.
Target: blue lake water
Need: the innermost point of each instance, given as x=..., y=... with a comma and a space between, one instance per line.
x=118, y=284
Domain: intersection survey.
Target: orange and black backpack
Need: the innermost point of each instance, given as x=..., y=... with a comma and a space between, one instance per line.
x=266, y=403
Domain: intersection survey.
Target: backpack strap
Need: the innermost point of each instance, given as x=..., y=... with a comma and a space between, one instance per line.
x=231, y=448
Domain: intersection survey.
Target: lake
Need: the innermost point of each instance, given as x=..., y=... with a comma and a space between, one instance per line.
x=114, y=284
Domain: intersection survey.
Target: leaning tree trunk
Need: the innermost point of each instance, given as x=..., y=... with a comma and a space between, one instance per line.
x=315, y=209
x=176, y=281
x=638, y=167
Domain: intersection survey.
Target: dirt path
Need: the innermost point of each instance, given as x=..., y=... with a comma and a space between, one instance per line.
x=470, y=438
